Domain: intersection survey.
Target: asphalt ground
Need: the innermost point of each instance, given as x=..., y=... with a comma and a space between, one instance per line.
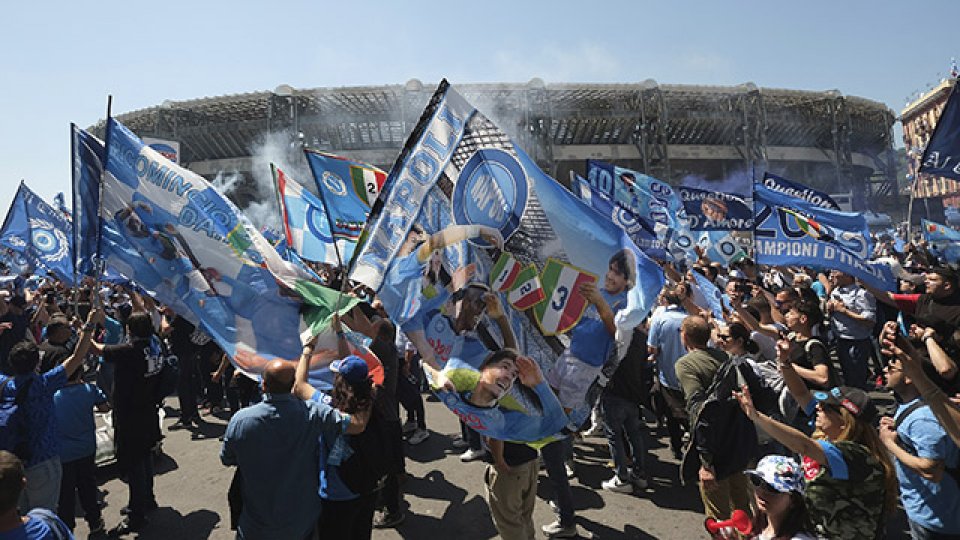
x=444, y=497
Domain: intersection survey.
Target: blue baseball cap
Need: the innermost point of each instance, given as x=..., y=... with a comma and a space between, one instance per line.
x=352, y=368
x=779, y=472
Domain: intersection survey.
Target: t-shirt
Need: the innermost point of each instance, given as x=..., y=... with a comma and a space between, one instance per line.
x=845, y=496
x=52, y=354
x=936, y=506
x=665, y=336
x=590, y=341
x=35, y=528
x=42, y=434
x=695, y=371
x=941, y=314
x=180, y=340
x=77, y=427
x=135, y=420
x=809, y=353
x=446, y=343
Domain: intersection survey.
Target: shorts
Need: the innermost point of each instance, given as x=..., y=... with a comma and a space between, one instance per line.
x=571, y=378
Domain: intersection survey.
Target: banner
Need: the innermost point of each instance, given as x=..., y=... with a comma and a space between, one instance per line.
x=713, y=298
x=715, y=210
x=41, y=233
x=175, y=235
x=565, y=304
x=348, y=189
x=941, y=157
x=306, y=225
x=799, y=191
x=645, y=196
x=944, y=240
x=87, y=168
x=782, y=237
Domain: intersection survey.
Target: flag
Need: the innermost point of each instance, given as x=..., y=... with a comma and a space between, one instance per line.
x=715, y=210
x=61, y=204
x=645, y=196
x=504, y=273
x=174, y=234
x=306, y=224
x=721, y=246
x=799, y=191
x=348, y=189
x=793, y=231
x=941, y=157
x=526, y=291
x=944, y=240
x=712, y=296
x=87, y=168
x=38, y=231
x=565, y=304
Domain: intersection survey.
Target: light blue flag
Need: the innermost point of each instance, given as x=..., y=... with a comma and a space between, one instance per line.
x=944, y=240
x=791, y=231
x=716, y=300
x=647, y=197
x=174, y=234
x=306, y=224
x=799, y=191
x=720, y=246
x=40, y=232
x=348, y=189
x=87, y=167
x=458, y=168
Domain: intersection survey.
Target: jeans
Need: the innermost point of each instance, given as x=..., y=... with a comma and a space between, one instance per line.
x=919, y=532
x=408, y=394
x=554, y=455
x=80, y=477
x=43, y=485
x=622, y=422
x=854, y=355
x=140, y=480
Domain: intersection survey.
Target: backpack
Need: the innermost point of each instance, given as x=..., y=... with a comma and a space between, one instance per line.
x=14, y=426
x=373, y=453
x=721, y=428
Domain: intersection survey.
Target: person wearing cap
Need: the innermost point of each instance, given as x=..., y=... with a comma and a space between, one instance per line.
x=851, y=483
x=778, y=491
x=924, y=457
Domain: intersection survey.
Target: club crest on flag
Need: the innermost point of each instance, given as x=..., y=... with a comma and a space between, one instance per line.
x=564, y=304
x=367, y=183
x=50, y=242
x=492, y=190
x=527, y=290
x=504, y=272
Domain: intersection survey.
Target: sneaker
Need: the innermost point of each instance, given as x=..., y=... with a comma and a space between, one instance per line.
x=639, y=481
x=460, y=443
x=180, y=424
x=569, y=466
x=555, y=530
x=409, y=427
x=418, y=436
x=472, y=455
x=387, y=520
x=616, y=485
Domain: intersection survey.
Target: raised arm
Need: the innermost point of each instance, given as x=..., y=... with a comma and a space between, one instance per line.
x=495, y=311
x=457, y=233
x=80, y=352
x=795, y=385
x=791, y=438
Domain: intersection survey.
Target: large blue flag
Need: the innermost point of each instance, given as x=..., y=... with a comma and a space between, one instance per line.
x=348, y=190
x=715, y=210
x=87, y=168
x=799, y=191
x=459, y=168
x=792, y=231
x=40, y=232
x=944, y=240
x=306, y=224
x=941, y=157
x=175, y=235
x=647, y=197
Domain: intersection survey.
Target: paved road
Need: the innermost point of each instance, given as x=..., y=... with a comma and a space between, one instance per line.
x=445, y=497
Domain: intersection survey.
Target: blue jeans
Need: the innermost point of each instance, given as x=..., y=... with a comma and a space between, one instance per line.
x=622, y=422
x=919, y=532
x=854, y=355
x=554, y=455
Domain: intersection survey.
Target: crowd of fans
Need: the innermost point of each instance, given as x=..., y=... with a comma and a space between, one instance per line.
x=781, y=409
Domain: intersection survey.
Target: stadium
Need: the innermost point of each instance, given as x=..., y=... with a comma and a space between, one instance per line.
x=833, y=142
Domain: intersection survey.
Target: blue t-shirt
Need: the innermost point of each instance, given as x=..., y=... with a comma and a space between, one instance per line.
x=819, y=288
x=665, y=336
x=42, y=435
x=936, y=506
x=589, y=340
x=446, y=343
x=35, y=528
x=73, y=405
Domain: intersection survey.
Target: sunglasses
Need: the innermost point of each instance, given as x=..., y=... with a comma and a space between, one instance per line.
x=723, y=337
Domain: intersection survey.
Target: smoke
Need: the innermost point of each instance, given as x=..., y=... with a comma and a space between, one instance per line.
x=739, y=182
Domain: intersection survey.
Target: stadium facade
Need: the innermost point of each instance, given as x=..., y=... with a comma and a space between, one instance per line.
x=830, y=141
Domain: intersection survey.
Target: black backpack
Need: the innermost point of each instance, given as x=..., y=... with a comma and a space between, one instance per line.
x=14, y=426
x=722, y=430
x=373, y=456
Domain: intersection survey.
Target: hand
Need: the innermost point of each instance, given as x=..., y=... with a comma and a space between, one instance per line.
x=491, y=235
x=528, y=372
x=502, y=467
x=746, y=403
x=784, y=347
x=708, y=479
x=888, y=435
x=590, y=292
x=5, y=326
x=494, y=307
x=889, y=331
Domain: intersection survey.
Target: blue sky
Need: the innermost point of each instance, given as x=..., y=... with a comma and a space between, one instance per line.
x=61, y=59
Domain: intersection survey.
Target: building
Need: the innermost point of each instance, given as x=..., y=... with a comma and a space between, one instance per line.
x=919, y=119
x=827, y=140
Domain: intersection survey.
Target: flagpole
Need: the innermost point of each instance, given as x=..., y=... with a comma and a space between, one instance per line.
x=101, y=263
x=73, y=207
x=283, y=218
